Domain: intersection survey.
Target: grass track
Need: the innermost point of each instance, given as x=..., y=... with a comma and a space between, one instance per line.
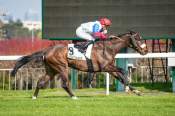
x=91, y=102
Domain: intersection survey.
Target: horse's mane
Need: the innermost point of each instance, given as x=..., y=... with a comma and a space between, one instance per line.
x=118, y=36
x=121, y=35
x=130, y=32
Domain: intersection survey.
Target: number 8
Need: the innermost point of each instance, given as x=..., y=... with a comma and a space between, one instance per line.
x=71, y=51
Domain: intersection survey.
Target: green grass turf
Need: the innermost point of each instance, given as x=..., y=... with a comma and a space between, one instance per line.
x=91, y=102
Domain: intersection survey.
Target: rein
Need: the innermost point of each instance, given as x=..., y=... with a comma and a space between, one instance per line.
x=103, y=47
x=119, y=38
x=133, y=40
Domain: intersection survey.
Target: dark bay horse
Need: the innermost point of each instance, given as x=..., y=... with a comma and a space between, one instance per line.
x=103, y=58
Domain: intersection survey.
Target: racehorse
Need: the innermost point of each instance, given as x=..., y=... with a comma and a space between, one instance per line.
x=102, y=56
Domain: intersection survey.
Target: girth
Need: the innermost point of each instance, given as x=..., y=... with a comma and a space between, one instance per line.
x=89, y=64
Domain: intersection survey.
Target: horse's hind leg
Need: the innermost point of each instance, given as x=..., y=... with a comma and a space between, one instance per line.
x=66, y=86
x=63, y=73
x=42, y=82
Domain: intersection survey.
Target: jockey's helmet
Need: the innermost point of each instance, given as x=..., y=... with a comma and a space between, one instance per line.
x=105, y=21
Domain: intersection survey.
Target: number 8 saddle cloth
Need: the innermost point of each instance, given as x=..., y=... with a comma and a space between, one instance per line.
x=74, y=53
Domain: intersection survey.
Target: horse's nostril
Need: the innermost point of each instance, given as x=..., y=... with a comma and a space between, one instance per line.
x=144, y=51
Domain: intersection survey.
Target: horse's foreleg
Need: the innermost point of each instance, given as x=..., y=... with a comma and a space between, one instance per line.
x=128, y=87
x=121, y=75
x=92, y=80
x=41, y=84
x=90, y=77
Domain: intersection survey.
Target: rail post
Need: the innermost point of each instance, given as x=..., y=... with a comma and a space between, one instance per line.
x=121, y=63
x=74, y=78
x=173, y=68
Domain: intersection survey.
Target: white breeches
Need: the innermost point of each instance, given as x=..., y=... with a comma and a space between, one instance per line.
x=84, y=35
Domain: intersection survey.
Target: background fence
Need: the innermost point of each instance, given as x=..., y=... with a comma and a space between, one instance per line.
x=26, y=78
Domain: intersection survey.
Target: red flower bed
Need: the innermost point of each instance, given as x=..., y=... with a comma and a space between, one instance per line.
x=24, y=46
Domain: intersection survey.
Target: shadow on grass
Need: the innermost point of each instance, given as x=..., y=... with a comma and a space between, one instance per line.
x=164, y=87
x=54, y=96
x=79, y=96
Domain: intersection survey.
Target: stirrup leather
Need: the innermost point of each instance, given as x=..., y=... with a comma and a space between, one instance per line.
x=83, y=47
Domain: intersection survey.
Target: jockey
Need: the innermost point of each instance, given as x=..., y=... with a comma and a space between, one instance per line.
x=92, y=30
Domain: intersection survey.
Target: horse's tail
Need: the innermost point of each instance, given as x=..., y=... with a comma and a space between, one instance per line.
x=25, y=59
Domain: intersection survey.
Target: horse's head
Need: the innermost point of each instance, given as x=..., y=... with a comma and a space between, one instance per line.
x=132, y=40
x=137, y=43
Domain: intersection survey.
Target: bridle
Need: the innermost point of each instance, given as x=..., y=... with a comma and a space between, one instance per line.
x=138, y=45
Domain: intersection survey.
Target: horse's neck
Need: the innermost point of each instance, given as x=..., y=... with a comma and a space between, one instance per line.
x=113, y=46
x=117, y=45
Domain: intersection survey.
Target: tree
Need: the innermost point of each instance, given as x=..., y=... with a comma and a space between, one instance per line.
x=38, y=33
x=1, y=30
x=15, y=29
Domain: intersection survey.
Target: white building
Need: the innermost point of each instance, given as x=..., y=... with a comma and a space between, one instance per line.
x=32, y=24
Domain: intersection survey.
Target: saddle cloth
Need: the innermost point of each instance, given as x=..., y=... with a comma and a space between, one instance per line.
x=73, y=52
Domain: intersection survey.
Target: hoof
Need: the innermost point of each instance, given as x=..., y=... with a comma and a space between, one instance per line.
x=129, y=92
x=34, y=97
x=137, y=92
x=74, y=97
x=127, y=89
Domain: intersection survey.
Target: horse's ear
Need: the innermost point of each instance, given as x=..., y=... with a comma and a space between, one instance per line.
x=132, y=32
